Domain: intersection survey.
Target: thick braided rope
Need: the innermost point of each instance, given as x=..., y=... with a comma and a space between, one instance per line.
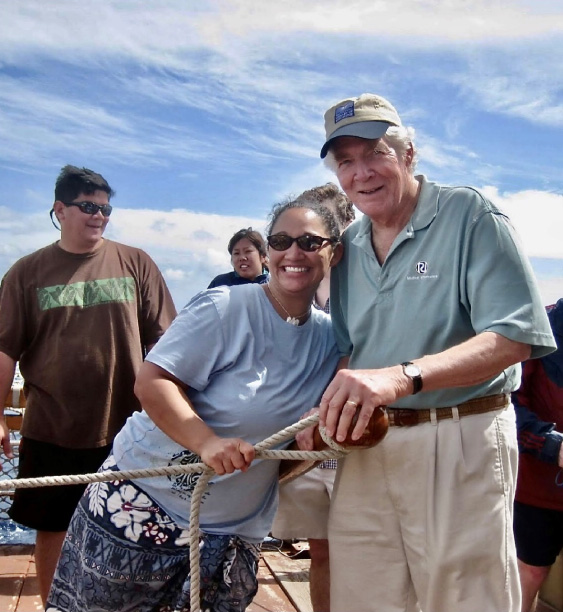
x=263, y=451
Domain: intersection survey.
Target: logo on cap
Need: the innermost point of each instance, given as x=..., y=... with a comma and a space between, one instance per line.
x=344, y=111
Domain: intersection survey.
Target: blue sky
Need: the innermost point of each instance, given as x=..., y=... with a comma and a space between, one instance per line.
x=201, y=115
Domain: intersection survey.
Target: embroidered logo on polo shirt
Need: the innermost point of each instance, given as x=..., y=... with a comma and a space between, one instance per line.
x=344, y=111
x=422, y=269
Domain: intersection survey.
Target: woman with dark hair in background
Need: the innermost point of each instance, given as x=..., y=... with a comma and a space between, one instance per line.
x=249, y=259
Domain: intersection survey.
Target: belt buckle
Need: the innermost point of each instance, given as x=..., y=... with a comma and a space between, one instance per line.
x=403, y=417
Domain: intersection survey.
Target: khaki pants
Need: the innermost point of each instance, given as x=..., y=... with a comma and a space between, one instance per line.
x=304, y=506
x=423, y=521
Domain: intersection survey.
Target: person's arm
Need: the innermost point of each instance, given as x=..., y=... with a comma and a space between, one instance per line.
x=157, y=307
x=7, y=369
x=535, y=437
x=164, y=399
x=469, y=363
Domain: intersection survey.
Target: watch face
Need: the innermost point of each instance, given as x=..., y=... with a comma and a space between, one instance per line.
x=412, y=370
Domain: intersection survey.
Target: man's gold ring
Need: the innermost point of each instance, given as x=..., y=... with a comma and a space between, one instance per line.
x=355, y=404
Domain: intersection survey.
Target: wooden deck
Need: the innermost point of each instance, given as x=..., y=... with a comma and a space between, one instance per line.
x=19, y=590
x=282, y=576
x=283, y=581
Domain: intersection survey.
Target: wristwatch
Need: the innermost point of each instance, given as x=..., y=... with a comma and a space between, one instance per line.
x=415, y=374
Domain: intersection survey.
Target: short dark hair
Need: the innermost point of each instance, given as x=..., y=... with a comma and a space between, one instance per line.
x=73, y=181
x=252, y=235
x=344, y=208
x=329, y=220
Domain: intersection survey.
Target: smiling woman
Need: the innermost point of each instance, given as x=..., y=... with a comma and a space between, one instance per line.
x=248, y=257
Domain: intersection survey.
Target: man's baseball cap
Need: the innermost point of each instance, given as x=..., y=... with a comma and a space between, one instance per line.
x=367, y=116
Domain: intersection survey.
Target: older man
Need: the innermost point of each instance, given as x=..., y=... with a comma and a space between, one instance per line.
x=434, y=303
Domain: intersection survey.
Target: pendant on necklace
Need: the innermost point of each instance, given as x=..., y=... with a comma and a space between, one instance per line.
x=292, y=321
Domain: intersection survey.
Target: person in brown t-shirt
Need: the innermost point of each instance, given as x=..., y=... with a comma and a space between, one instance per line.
x=79, y=315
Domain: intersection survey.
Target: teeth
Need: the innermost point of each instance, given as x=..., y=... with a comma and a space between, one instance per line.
x=295, y=269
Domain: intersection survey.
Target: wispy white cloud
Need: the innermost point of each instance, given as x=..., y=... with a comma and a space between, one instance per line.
x=253, y=70
x=174, y=274
x=232, y=92
x=538, y=218
x=522, y=81
x=551, y=289
x=129, y=29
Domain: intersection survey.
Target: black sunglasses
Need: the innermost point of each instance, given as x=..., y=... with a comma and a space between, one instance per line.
x=306, y=242
x=91, y=208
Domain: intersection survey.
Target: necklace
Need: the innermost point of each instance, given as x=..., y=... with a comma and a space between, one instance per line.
x=291, y=320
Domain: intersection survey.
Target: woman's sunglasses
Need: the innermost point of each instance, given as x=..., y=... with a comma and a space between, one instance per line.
x=91, y=208
x=306, y=242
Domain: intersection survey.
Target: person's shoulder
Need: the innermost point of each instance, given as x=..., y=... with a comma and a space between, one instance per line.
x=119, y=247
x=355, y=228
x=555, y=316
x=322, y=327
x=222, y=279
x=228, y=293
x=467, y=195
x=235, y=295
x=227, y=300
x=135, y=256
x=262, y=279
x=321, y=319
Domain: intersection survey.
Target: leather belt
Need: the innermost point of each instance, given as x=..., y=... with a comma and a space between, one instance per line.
x=407, y=417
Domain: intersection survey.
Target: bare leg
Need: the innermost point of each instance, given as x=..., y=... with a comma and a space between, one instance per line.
x=47, y=550
x=319, y=575
x=531, y=579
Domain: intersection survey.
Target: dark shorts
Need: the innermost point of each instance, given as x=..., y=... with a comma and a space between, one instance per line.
x=538, y=533
x=51, y=508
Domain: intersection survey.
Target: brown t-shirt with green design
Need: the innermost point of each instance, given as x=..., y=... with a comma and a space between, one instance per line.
x=79, y=326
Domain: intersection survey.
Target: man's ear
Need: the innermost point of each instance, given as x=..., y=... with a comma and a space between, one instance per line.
x=409, y=155
x=59, y=209
x=337, y=253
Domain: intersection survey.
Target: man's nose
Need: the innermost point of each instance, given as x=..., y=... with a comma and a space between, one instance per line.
x=364, y=170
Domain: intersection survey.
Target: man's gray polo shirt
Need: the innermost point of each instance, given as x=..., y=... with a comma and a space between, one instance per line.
x=456, y=269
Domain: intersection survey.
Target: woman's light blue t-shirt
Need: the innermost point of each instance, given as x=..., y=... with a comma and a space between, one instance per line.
x=250, y=375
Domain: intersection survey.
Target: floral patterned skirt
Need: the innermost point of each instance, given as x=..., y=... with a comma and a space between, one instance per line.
x=123, y=553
